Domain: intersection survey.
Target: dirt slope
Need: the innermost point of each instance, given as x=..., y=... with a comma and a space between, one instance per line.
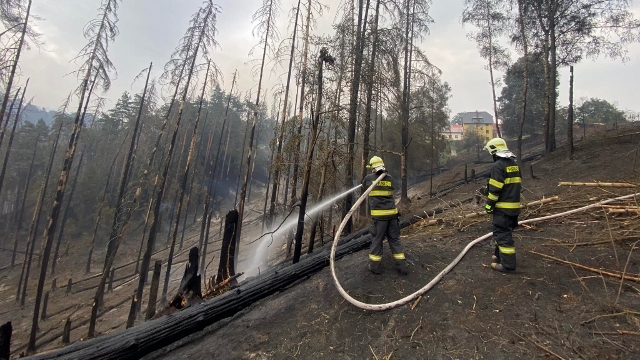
x=546, y=309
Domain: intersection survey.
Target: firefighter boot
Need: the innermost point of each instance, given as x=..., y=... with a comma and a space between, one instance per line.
x=499, y=267
x=401, y=267
x=375, y=267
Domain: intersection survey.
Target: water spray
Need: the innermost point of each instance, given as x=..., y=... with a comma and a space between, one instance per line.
x=260, y=255
x=437, y=278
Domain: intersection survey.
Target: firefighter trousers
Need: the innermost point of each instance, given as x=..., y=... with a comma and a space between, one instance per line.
x=379, y=229
x=505, y=250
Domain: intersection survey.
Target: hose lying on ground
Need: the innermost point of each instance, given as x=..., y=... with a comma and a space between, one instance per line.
x=435, y=280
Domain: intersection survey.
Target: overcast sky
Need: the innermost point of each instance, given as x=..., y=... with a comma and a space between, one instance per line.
x=150, y=30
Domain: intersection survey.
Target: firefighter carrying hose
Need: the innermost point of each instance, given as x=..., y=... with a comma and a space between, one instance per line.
x=503, y=201
x=384, y=218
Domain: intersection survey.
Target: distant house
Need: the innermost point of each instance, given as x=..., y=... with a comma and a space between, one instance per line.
x=480, y=122
x=453, y=132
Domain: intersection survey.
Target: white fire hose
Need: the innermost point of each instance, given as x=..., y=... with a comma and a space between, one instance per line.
x=435, y=280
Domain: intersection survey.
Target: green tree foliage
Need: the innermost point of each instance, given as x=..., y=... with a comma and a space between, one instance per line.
x=511, y=98
x=598, y=111
x=457, y=119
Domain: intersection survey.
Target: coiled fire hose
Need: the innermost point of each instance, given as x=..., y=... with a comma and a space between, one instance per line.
x=407, y=299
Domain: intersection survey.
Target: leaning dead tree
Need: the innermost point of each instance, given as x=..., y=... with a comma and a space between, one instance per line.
x=183, y=184
x=324, y=57
x=100, y=33
x=285, y=104
x=13, y=131
x=16, y=60
x=202, y=31
x=117, y=225
x=266, y=17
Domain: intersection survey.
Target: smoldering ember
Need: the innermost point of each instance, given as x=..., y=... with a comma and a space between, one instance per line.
x=319, y=179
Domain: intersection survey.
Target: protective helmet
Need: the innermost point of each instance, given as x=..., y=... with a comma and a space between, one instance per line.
x=375, y=162
x=496, y=144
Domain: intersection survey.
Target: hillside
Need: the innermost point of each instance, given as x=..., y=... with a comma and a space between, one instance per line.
x=546, y=309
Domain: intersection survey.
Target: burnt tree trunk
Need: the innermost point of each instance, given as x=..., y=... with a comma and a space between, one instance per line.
x=226, y=269
x=13, y=130
x=33, y=233
x=99, y=216
x=570, y=116
x=23, y=204
x=14, y=66
x=136, y=342
x=5, y=340
x=153, y=292
x=65, y=215
x=324, y=56
x=182, y=185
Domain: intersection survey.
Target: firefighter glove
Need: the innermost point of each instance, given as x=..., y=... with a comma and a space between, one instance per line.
x=488, y=208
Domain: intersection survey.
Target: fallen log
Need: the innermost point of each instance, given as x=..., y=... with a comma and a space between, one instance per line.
x=597, y=184
x=153, y=335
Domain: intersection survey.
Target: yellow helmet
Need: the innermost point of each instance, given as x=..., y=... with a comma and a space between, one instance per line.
x=496, y=144
x=375, y=162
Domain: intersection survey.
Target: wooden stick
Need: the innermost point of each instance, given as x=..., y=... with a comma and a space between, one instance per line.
x=602, y=272
x=415, y=303
x=620, y=207
x=223, y=283
x=624, y=211
x=541, y=347
x=617, y=332
x=597, y=184
x=533, y=203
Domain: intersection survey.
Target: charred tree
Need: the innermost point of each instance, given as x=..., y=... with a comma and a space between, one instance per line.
x=183, y=184
x=226, y=268
x=13, y=131
x=269, y=9
x=102, y=204
x=324, y=57
x=14, y=66
x=203, y=28
x=525, y=82
x=353, y=111
x=35, y=222
x=101, y=32
x=23, y=202
x=65, y=214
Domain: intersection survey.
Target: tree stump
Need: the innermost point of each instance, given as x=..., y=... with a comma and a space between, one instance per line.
x=69, y=284
x=66, y=333
x=190, y=285
x=153, y=292
x=132, y=312
x=5, y=341
x=43, y=316
x=227, y=251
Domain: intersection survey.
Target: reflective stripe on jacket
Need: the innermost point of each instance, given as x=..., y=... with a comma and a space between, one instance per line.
x=381, y=203
x=503, y=188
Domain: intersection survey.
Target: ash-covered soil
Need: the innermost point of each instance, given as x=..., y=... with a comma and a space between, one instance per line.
x=576, y=307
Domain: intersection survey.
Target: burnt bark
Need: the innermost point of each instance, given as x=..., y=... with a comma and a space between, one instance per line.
x=226, y=268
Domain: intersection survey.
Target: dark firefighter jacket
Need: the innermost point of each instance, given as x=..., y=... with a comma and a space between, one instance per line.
x=381, y=203
x=504, y=187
